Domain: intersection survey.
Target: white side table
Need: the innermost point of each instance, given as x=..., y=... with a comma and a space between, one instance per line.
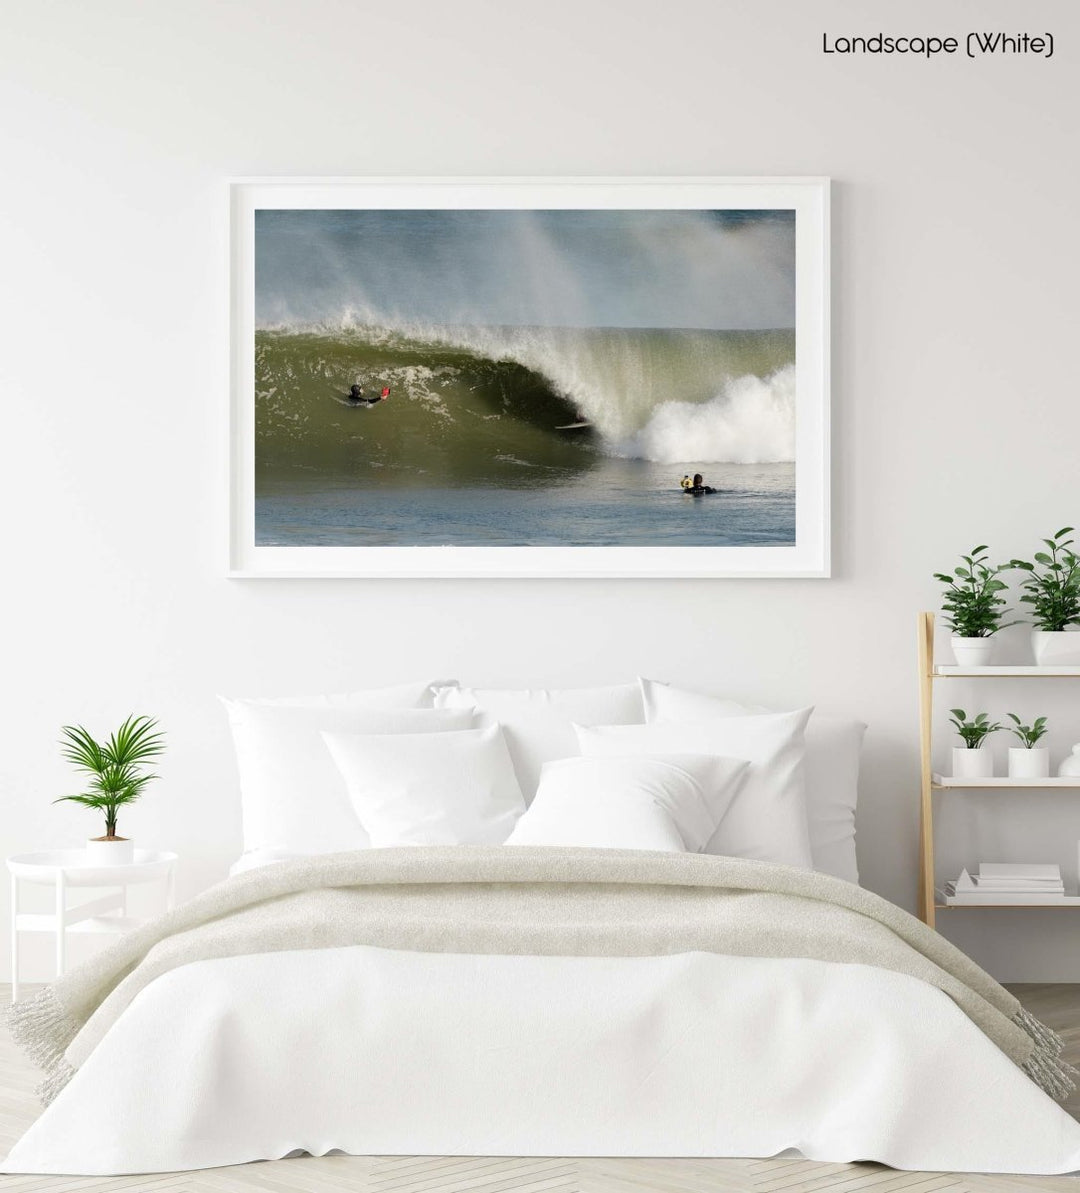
x=64, y=868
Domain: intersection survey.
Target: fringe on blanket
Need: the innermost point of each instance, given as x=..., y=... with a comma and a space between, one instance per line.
x=42, y=1030
x=1044, y=1066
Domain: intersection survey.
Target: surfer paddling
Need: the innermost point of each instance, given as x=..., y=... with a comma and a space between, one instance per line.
x=357, y=398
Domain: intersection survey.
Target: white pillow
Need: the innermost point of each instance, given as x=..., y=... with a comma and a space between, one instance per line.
x=254, y=859
x=402, y=695
x=767, y=818
x=833, y=746
x=672, y=803
x=430, y=789
x=292, y=796
x=539, y=722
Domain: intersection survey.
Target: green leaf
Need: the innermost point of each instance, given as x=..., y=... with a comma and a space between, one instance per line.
x=80, y=749
x=90, y=801
x=134, y=742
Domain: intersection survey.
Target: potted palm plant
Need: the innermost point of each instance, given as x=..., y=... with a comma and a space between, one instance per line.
x=971, y=761
x=1029, y=760
x=974, y=607
x=1052, y=589
x=117, y=778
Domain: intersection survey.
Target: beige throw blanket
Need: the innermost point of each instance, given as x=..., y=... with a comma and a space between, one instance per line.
x=541, y=901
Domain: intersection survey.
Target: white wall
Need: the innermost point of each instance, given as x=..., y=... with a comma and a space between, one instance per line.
x=956, y=410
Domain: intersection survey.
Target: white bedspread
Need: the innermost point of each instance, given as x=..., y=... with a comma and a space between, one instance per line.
x=382, y=1052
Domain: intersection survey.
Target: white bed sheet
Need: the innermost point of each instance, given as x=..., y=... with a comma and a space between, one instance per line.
x=373, y=1051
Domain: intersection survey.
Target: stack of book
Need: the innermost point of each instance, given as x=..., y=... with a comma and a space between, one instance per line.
x=1007, y=882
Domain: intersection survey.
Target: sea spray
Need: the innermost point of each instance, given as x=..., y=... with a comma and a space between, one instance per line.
x=632, y=268
x=751, y=422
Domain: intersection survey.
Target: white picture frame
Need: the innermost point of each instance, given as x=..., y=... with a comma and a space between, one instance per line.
x=809, y=556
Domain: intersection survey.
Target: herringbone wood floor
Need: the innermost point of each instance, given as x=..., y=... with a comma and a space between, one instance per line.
x=1057, y=1005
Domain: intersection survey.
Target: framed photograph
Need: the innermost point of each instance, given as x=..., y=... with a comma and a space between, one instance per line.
x=529, y=377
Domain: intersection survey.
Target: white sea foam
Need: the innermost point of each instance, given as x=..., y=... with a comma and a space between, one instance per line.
x=418, y=382
x=751, y=422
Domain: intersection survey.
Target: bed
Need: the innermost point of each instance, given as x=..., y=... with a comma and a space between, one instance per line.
x=646, y=955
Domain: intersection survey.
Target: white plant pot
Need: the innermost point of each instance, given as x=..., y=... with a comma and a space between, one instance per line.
x=1070, y=765
x=972, y=652
x=972, y=764
x=1028, y=764
x=1056, y=648
x=119, y=852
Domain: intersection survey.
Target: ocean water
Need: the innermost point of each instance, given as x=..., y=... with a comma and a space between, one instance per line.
x=617, y=503
x=470, y=448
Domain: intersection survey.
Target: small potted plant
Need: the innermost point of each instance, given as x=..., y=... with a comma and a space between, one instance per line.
x=117, y=778
x=971, y=761
x=1029, y=760
x=974, y=607
x=1052, y=589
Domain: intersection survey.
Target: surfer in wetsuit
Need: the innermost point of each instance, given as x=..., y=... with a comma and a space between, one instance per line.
x=356, y=396
x=696, y=487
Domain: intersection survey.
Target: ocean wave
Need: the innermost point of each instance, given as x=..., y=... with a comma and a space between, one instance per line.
x=622, y=385
x=666, y=395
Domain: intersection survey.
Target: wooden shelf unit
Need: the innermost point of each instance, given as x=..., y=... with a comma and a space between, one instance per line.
x=929, y=904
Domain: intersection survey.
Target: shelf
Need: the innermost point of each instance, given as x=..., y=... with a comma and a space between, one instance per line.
x=1017, y=672
x=950, y=901
x=944, y=782
x=933, y=899
x=1064, y=901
